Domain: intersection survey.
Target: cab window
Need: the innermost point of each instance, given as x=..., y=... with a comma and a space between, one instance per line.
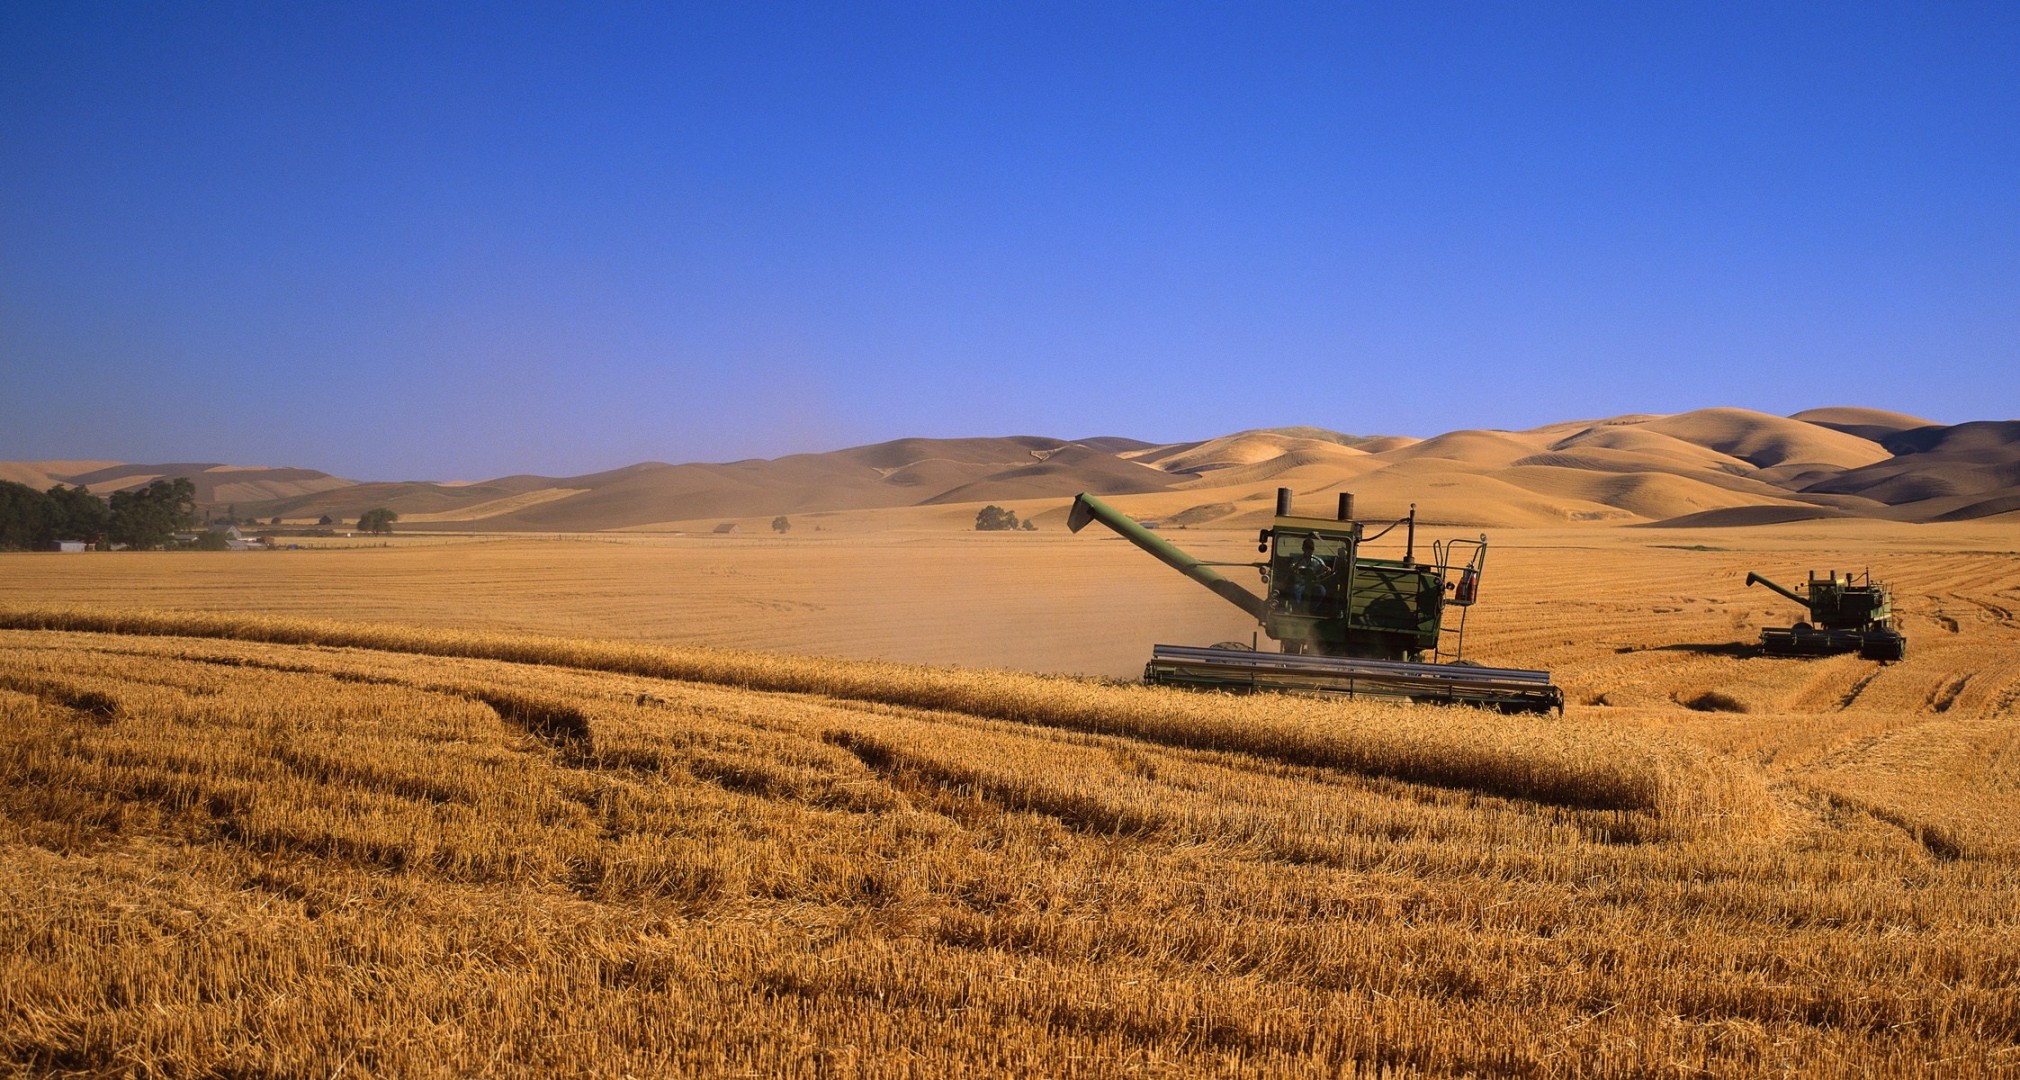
x=1290, y=545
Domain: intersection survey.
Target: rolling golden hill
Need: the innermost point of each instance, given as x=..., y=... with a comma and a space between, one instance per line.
x=1714, y=466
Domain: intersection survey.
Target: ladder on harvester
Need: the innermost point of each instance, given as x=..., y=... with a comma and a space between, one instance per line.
x=1464, y=591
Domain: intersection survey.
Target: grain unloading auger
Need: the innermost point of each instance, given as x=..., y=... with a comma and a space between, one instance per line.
x=1346, y=623
x=1846, y=615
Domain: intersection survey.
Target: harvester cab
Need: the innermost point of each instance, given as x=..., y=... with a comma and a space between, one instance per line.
x=1847, y=614
x=1346, y=621
x=1329, y=598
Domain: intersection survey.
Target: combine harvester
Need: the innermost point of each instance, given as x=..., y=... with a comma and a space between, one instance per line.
x=1346, y=623
x=1846, y=615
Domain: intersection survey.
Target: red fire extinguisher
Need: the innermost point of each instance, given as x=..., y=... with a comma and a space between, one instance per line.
x=1469, y=585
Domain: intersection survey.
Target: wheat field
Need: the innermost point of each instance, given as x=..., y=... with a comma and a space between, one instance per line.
x=423, y=812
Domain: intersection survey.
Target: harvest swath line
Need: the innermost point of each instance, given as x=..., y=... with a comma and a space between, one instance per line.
x=1526, y=759
x=278, y=847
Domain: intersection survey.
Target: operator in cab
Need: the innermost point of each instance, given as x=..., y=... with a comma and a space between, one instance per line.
x=1308, y=577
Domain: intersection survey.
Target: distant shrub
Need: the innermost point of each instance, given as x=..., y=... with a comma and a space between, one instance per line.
x=993, y=518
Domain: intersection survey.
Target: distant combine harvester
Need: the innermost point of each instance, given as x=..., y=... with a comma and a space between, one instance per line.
x=1846, y=615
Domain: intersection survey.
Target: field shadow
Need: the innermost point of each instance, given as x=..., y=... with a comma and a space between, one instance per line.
x=1736, y=649
x=90, y=703
x=553, y=722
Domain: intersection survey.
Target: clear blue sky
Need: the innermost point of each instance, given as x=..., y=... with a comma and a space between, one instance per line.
x=453, y=241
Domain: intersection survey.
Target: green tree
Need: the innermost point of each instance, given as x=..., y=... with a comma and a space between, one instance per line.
x=211, y=540
x=780, y=524
x=25, y=517
x=148, y=517
x=378, y=521
x=80, y=515
x=993, y=518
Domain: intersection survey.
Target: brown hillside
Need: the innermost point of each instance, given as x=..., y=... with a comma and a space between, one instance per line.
x=1644, y=494
x=1763, y=441
x=492, y=508
x=1314, y=464
x=1737, y=463
x=1874, y=424
x=1487, y=448
x=1625, y=448
x=1452, y=492
x=1979, y=460
x=935, y=475
x=1749, y=515
x=1382, y=444
x=1074, y=466
x=1009, y=452
x=214, y=483
x=43, y=475
x=1984, y=508
x=1247, y=448
x=415, y=500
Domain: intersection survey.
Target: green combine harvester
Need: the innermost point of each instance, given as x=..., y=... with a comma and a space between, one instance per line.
x=1346, y=622
x=1846, y=615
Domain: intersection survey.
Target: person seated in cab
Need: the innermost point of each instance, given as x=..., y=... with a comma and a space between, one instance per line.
x=1308, y=578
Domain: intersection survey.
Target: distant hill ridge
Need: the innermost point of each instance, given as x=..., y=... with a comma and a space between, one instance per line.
x=1714, y=466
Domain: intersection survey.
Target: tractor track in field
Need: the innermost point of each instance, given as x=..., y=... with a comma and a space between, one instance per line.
x=1945, y=694
x=1851, y=695
x=1933, y=608
x=64, y=695
x=2000, y=615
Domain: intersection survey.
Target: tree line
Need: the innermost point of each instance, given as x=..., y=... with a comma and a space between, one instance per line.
x=146, y=517
x=141, y=518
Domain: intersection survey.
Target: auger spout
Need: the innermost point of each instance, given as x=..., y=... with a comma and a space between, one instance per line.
x=1087, y=508
x=1755, y=579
